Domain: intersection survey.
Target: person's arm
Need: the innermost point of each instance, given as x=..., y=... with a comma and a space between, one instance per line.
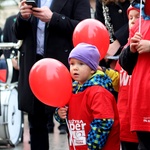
x=58, y=118
x=128, y=59
x=121, y=38
x=114, y=75
x=122, y=34
x=63, y=22
x=113, y=48
x=23, y=24
x=100, y=129
x=103, y=119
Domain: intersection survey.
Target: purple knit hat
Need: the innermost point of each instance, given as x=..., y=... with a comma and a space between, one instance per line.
x=86, y=53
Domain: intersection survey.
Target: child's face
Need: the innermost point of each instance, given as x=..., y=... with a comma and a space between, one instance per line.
x=80, y=71
x=133, y=16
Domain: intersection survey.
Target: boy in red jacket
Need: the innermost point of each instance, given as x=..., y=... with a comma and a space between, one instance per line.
x=93, y=120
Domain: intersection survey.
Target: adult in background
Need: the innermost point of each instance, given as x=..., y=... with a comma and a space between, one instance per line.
x=9, y=36
x=46, y=32
x=113, y=14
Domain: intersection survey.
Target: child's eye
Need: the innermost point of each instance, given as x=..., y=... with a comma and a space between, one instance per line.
x=81, y=63
x=71, y=64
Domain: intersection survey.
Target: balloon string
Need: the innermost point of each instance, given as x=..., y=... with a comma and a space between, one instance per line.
x=71, y=135
x=140, y=16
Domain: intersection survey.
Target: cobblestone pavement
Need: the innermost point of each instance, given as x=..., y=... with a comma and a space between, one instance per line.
x=57, y=141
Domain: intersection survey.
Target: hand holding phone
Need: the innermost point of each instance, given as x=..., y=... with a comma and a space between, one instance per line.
x=31, y=2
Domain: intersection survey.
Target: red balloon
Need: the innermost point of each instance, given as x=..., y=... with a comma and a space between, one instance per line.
x=93, y=32
x=147, y=7
x=51, y=82
x=3, y=75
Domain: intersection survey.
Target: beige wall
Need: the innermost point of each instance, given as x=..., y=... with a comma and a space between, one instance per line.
x=6, y=12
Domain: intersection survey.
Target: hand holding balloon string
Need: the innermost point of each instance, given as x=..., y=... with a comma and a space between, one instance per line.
x=62, y=112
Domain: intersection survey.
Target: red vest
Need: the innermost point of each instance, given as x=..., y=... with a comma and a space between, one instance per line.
x=93, y=103
x=123, y=107
x=139, y=93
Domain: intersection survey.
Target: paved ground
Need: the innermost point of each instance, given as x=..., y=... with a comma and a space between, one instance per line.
x=57, y=141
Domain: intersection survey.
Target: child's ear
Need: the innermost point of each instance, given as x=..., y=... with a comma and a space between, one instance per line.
x=92, y=71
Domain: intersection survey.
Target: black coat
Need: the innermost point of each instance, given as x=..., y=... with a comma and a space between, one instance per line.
x=58, y=41
x=9, y=36
x=128, y=60
x=119, y=19
x=0, y=34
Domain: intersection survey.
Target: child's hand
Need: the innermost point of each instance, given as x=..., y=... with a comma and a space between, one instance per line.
x=143, y=46
x=62, y=112
x=134, y=42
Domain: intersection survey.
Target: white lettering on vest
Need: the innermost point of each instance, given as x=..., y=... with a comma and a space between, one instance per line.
x=124, y=78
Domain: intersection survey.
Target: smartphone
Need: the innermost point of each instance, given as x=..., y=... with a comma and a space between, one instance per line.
x=31, y=2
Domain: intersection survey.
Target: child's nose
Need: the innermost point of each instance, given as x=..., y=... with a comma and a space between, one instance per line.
x=75, y=67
